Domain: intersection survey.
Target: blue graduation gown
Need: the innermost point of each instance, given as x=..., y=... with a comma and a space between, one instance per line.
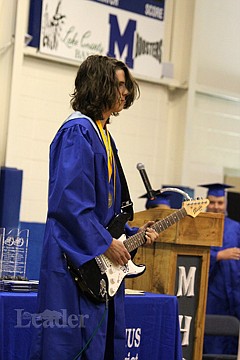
x=224, y=289
x=78, y=214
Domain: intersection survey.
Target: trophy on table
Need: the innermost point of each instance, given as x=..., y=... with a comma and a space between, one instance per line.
x=13, y=256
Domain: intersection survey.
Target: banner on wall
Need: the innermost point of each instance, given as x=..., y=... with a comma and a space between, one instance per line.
x=129, y=30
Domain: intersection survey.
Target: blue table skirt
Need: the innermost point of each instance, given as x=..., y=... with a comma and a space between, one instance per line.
x=156, y=319
x=151, y=320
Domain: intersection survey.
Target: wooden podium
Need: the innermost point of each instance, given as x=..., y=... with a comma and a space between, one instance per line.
x=177, y=264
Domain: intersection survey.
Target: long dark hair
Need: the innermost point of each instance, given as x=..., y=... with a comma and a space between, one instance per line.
x=96, y=86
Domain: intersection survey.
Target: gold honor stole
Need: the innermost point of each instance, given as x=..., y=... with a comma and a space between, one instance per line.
x=110, y=158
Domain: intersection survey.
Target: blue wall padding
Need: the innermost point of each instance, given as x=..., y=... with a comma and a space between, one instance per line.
x=10, y=196
x=35, y=241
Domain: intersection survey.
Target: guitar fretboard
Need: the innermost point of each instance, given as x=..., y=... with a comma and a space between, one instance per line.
x=133, y=242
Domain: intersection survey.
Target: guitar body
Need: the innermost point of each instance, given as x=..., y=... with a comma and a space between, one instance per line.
x=99, y=278
x=86, y=279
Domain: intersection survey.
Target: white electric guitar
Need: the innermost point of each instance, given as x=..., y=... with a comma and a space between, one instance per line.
x=99, y=278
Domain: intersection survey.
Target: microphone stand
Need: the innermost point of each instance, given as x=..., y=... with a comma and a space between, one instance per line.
x=160, y=191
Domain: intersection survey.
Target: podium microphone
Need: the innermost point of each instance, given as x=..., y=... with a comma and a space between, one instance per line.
x=150, y=191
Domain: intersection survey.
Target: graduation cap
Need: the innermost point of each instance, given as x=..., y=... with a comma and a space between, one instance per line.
x=163, y=198
x=216, y=189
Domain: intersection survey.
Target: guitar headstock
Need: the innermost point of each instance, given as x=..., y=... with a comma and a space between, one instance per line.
x=195, y=206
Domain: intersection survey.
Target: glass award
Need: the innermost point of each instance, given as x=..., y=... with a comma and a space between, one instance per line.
x=14, y=249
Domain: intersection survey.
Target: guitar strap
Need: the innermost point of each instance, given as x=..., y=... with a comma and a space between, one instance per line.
x=127, y=205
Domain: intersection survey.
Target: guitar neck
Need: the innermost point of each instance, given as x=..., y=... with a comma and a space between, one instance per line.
x=133, y=242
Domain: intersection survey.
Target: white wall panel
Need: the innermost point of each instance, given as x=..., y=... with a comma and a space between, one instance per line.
x=215, y=141
x=218, y=45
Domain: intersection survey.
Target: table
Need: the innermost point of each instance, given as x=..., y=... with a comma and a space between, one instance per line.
x=151, y=320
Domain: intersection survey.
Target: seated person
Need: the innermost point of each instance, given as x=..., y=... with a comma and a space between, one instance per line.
x=161, y=201
x=224, y=273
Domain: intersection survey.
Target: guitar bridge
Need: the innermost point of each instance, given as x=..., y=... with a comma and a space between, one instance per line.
x=102, y=288
x=100, y=263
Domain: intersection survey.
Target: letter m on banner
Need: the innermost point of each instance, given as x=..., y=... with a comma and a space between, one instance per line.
x=123, y=41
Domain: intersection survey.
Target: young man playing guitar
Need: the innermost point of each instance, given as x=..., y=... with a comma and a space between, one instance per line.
x=85, y=196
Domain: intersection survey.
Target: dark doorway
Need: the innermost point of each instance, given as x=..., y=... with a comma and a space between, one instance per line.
x=233, y=205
